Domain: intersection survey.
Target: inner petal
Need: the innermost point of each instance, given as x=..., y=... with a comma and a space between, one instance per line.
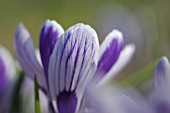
x=49, y=35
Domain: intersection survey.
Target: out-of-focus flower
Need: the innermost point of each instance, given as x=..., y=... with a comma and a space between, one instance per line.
x=71, y=61
x=162, y=85
x=7, y=73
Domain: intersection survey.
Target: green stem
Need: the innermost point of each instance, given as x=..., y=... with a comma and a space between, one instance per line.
x=37, y=102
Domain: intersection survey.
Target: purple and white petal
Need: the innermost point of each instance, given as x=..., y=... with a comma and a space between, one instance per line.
x=8, y=63
x=25, y=53
x=124, y=58
x=162, y=79
x=70, y=64
x=109, y=52
x=50, y=33
x=7, y=79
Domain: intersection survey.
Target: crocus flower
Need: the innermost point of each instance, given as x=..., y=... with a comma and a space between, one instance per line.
x=71, y=61
x=162, y=85
x=7, y=73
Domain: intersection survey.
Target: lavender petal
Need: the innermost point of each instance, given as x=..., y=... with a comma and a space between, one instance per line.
x=162, y=79
x=50, y=33
x=25, y=53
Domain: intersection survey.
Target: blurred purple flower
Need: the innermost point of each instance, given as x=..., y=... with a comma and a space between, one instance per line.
x=162, y=85
x=7, y=73
x=71, y=61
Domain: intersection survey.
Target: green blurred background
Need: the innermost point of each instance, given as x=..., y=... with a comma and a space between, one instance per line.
x=143, y=22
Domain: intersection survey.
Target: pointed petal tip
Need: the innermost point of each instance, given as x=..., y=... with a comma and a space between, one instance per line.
x=21, y=27
x=162, y=77
x=87, y=28
x=115, y=33
x=164, y=59
x=54, y=24
x=50, y=33
x=22, y=33
x=163, y=63
x=92, y=32
x=131, y=47
x=162, y=66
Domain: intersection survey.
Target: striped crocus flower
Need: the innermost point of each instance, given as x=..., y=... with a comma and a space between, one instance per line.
x=71, y=61
x=7, y=73
x=162, y=85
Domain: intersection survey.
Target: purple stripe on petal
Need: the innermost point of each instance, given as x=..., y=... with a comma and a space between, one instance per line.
x=82, y=63
x=110, y=51
x=87, y=72
x=67, y=102
x=50, y=33
x=25, y=53
x=60, y=76
x=68, y=58
x=74, y=68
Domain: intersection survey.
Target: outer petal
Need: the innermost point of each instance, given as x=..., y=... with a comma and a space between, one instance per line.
x=50, y=33
x=109, y=52
x=162, y=79
x=6, y=63
x=7, y=78
x=26, y=56
x=124, y=58
x=70, y=65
